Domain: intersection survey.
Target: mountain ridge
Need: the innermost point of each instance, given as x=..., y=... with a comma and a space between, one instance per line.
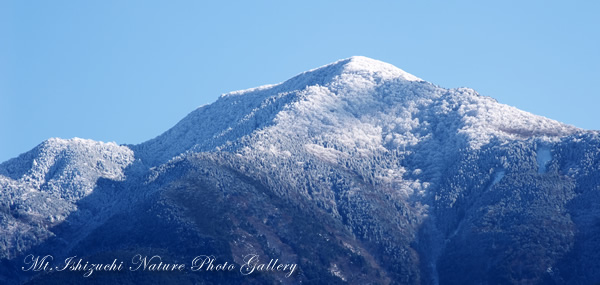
x=397, y=174
x=347, y=76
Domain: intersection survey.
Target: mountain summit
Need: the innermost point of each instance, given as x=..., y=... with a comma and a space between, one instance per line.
x=357, y=171
x=239, y=113
x=340, y=97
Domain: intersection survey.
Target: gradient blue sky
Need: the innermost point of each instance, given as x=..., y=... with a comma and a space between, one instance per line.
x=126, y=71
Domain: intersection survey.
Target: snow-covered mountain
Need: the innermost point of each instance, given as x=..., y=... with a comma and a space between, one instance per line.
x=357, y=171
x=349, y=102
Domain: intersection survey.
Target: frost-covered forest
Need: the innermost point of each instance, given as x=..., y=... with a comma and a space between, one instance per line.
x=357, y=171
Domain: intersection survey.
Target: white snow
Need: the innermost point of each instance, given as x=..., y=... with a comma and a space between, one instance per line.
x=354, y=105
x=380, y=69
x=327, y=154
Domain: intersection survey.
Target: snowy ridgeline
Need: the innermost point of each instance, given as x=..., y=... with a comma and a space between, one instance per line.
x=67, y=168
x=353, y=105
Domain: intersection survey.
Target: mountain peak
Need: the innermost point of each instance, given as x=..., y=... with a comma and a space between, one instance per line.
x=352, y=66
x=395, y=110
x=362, y=64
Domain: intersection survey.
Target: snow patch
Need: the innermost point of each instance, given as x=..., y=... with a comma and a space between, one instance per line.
x=543, y=157
x=499, y=175
x=335, y=271
x=249, y=90
x=327, y=154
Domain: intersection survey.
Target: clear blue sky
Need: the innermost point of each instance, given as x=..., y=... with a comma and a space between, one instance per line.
x=126, y=71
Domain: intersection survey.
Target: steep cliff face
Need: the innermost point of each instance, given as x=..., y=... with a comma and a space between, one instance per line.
x=356, y=171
